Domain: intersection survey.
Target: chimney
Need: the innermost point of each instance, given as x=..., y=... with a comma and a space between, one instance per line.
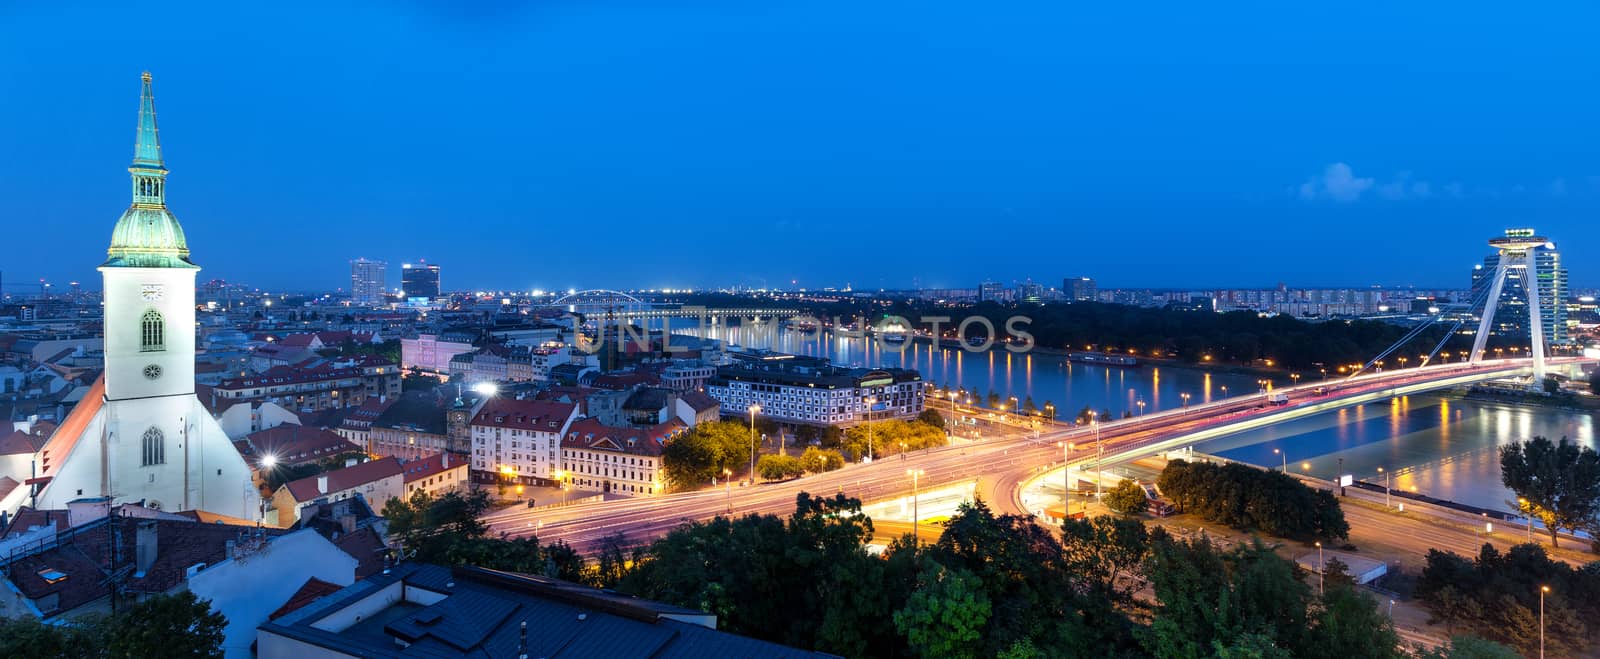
x=444, y=460
x=322, y=484
x=144, y=552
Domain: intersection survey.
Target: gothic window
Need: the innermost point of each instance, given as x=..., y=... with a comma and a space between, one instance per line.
x=152, y=335
x=154, y=445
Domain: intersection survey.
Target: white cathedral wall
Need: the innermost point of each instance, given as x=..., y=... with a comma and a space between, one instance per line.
x=201, y=470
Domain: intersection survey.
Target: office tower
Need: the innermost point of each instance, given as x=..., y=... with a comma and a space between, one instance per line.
x=419, y=281
x=366, y=281
x=1079, y=289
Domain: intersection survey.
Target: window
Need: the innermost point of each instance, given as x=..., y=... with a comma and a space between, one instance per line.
x=152, y=335
x=155, y=449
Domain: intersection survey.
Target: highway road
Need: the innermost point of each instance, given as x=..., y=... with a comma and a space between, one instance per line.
x=999, y=464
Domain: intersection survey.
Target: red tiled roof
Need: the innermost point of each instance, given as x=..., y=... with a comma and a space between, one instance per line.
x=27, y=518
x=432, y=465
x=590, y=433
x=311, y=591
x=620, y=381
x=86, y=560
x=282, y=375
x=367, y=547
x=305, y=489
x=524, y=414
x=23, y=443
x=699, y=401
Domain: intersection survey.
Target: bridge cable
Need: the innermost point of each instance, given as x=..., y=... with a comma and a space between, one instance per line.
x=1417, y=331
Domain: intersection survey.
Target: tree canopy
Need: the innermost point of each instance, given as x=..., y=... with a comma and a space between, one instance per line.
x=1248, y=498
x=1559, y=481
x=704, y=452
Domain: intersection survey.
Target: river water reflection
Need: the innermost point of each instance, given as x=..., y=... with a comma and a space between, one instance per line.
x=1438, y=445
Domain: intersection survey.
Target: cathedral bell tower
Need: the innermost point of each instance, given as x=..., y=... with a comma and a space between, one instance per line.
x=149, y=282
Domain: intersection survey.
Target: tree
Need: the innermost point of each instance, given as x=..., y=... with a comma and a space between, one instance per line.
x=815, y=460
x=695, y=457
x=1497, y=596
x=1106, y=551
x=932, y=418
x=1469, y=647
x=1350, y=624
x=946, y=615
x=1594, y=382
x=178, y=625
x=779, y=467
x=1211, y=599
x=1127, y=498
x=1560, y=481
x=26, y=636
x=1248, y=498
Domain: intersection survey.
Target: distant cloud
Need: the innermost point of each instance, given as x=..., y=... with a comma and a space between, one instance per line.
x=1403, y=187
x=1338, y=182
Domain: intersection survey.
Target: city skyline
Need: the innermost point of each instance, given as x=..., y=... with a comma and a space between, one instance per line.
x=566, y=121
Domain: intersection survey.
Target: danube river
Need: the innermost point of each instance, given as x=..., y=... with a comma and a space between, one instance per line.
x=1046, y=378
x=1439, y=445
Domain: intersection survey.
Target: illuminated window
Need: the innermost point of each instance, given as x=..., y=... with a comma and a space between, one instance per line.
x=155, y=449
x=152, y=334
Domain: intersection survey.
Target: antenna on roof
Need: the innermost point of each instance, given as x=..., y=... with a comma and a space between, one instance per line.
x=522, y=643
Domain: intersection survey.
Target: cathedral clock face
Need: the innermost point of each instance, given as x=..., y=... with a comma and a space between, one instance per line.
x=151, y=292
x=152, y=371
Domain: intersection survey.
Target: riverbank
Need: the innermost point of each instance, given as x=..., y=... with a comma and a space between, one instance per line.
x=1212, y=367
x=1566, y=401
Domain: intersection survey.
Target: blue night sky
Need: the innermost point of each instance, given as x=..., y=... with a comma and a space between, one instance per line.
x=655, y=144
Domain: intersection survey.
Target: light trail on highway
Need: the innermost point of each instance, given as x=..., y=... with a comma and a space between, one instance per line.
x=1000, y=465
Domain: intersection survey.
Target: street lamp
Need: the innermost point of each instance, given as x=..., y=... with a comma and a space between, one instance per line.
x=1543, y=590
x=1386, y=476
x=1224, y=391
x=1295, y=378
x=1285, y=459
x=1185, y=398
x=1066, y=477
x=1141, y=407
x=1099, y=454
x=1322, y=569
x=727, y=485
x=753, y=410
x=915, y=474
x=1527, y=514
x=866, y=415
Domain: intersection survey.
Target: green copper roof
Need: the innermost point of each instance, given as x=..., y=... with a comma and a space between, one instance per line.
x=147, y=145
x=148, y=236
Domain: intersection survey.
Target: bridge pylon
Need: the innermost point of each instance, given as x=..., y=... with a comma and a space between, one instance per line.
x=1516, y=253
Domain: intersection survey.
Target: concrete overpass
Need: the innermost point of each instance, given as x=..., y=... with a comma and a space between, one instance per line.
x=1001, y=467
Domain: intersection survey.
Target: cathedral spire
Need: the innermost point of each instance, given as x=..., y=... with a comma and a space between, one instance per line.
x=147, y=148
x=148, y=236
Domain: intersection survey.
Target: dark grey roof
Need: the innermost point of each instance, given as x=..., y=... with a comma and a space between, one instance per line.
x=483, y=613
x=420, y=413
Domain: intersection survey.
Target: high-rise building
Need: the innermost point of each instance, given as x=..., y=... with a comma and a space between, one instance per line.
x=141, y=434
x=367, y=278
x=1030, y=292
x=990, y=291
x=1511, y=318
x=1079, y=289
x=419, y=281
